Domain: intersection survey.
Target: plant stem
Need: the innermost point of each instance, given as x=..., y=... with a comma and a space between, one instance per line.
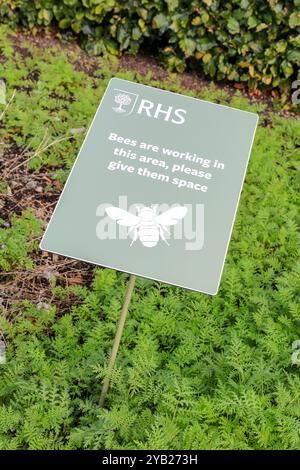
x=7, y=106
x=117, y=339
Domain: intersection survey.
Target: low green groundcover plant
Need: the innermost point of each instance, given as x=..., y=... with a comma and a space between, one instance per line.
x=193, y=371
x=252, y=42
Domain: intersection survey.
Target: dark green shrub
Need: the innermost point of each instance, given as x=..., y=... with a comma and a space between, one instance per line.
x=252, y=42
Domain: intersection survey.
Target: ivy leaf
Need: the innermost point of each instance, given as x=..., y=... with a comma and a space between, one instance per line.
x=294, y=20
x=136, y=33
x=287, y=68
x=205, y=17
x=196, y=21
x=294, y=56
x=76, y=26
x=143, y=13
x=86, y=29
x=252, y=22
x=70, y=2
x=205, y=44
x=172, y=4
x=47, y=15
x=244, y=4
x=281, y=46
x=261, y=27
x=233, y=26
x=207, y=58
x=64, y=23
x=212, y=69
x=188, y=46
x=159, y=21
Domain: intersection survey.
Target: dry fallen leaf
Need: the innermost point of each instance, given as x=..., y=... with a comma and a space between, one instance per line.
x=78, y=130
x=78, y=279
x=49, y=275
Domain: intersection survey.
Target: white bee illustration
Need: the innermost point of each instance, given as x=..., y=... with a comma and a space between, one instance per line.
x=147, y=225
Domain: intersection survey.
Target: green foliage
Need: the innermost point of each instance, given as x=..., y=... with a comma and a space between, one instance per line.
x=49, y=107
x=249, y=41
x=193, y=371
x=18, y=240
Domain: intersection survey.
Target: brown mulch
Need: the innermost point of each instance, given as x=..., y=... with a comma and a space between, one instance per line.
x=40, y=192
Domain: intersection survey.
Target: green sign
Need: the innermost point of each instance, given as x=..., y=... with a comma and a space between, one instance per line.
x=155, y=187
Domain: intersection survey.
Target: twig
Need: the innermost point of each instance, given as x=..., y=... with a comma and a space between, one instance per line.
x=7, y=106
x=38, y=151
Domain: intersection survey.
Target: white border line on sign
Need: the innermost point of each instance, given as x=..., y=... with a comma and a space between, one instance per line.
x=183, y=96
x=236, y=207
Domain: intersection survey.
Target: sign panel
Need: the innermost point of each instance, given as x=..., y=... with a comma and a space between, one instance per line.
x=155, y=188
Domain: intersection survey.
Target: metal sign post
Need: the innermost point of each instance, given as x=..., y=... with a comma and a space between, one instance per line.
x=118, y=337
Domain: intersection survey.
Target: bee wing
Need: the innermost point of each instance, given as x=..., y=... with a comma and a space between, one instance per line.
x=171, y=216
x=122, y=217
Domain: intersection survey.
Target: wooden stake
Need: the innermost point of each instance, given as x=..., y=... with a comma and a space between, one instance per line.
x=118, y=337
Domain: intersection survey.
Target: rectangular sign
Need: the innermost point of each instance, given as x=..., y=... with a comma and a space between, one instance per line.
x=155, y=187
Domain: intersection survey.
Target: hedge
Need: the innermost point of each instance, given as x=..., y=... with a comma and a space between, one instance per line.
x=255, y=43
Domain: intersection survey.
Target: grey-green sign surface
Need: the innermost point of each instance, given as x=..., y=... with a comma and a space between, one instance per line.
x=155, y=187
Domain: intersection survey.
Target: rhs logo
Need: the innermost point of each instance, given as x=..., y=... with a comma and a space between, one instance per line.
x=126, y=102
